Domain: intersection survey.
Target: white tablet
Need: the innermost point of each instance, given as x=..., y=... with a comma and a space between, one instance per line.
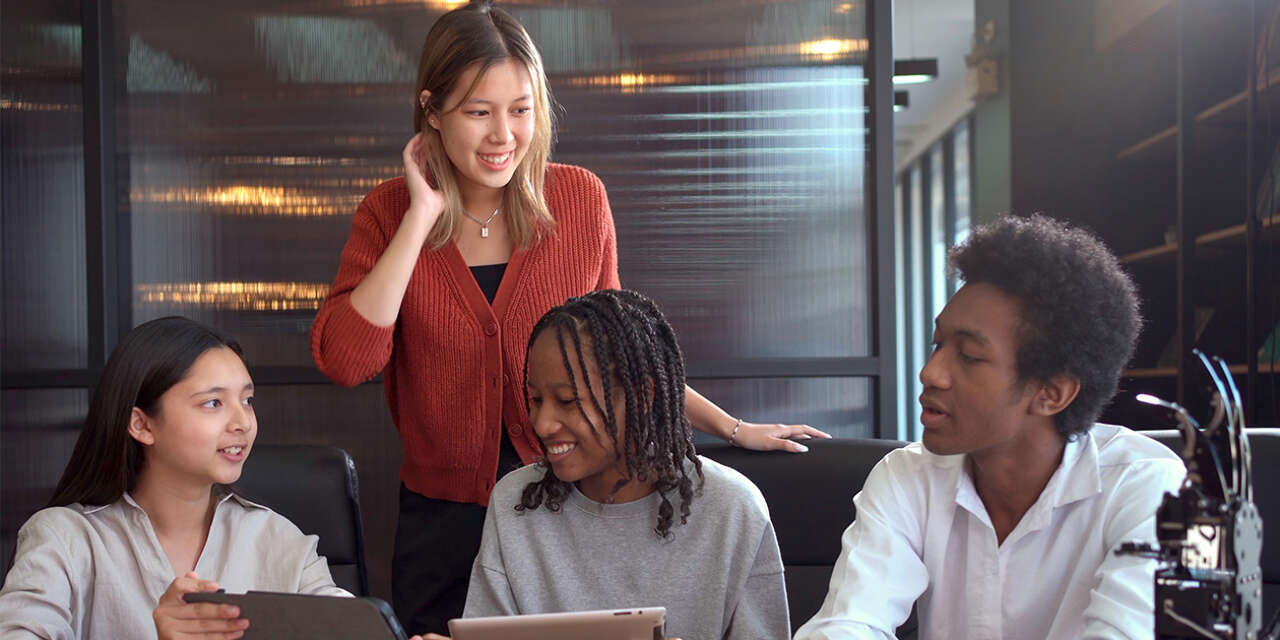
x=615, y=624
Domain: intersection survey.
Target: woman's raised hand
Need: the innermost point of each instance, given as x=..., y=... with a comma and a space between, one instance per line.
x=425, y=201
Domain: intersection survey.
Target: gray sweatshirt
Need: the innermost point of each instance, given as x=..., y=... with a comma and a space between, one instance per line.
x=719, y=575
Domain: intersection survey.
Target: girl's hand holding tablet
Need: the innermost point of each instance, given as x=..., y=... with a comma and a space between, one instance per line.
x=180, y=620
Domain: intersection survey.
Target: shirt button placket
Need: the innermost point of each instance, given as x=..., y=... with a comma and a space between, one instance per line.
x=996, y=601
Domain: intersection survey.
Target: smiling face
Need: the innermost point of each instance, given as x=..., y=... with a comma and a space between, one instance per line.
x=577, y=444
x=973, y=400
x=487, y=135
x=203, y=427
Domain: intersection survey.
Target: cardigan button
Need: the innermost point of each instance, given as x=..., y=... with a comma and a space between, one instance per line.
x=491, y=329
x=517, y=430
x=506, y=382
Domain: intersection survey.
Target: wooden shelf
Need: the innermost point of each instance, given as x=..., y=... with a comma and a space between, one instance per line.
x=1220, y=236
x=1236, y=231
x=1169, y=372
x=1147, y=143
x=1215, y=111
x=1164, y=250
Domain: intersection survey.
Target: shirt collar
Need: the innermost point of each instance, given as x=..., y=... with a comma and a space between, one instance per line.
x=99, y=507
x=221, y=493
x=1076, y=478
x=244, y=502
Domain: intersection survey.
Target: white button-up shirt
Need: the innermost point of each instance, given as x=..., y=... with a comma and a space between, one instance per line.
x=921, y=532
x=98, y=571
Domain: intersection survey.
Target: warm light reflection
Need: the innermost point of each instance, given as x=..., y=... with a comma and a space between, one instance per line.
x=363, y=184
x=826, y=50
x=828, y=47
x=628, y=82
x=13, y=104
x=291, y=161
x=368, y=141
x=441, y=5
x=253, y=200
x=237, y=296
x=845, y=7
x=657, y=85
x=749, y=115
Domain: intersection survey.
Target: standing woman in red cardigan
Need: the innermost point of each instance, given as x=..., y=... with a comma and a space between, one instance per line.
x=442, y=281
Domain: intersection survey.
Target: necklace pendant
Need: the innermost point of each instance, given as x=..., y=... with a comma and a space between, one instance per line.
x=484, y=224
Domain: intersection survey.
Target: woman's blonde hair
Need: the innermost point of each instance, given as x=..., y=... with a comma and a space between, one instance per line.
x=481, y=34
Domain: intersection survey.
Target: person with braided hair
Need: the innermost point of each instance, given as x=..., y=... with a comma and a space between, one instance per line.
x=606, y=521
x=443, y=276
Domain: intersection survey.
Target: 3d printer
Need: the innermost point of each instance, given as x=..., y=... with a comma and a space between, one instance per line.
x=1209, y=581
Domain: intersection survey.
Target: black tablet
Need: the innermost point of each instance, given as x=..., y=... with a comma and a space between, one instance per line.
x=285, y=616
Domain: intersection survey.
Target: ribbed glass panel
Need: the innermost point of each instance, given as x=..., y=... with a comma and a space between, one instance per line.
x=843, y=407
x=42, y=232
x=732, y=137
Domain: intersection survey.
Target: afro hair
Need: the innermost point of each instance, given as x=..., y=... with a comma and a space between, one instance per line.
x=1080, y=310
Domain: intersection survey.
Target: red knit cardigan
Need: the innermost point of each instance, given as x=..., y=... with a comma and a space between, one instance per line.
x=452, y=364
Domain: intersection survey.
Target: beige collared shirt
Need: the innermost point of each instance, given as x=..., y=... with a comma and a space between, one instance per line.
x=98, y=571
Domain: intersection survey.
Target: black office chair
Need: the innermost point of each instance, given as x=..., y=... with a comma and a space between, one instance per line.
x=810, y=498
x=315, y=487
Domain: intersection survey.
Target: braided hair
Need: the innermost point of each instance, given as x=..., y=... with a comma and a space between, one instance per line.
x=634, y=348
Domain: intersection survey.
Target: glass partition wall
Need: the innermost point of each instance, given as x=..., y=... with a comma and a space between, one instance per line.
x=735, y=138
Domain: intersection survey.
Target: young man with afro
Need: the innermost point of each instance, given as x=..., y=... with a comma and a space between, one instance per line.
x=1002, y=522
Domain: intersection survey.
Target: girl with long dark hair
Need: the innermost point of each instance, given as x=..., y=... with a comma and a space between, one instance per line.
x=142, y=514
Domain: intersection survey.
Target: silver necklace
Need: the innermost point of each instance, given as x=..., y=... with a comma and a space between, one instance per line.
x=484, y=225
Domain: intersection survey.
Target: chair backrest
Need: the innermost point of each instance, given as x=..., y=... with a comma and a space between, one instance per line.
x=810, y=500
x=316, y=488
